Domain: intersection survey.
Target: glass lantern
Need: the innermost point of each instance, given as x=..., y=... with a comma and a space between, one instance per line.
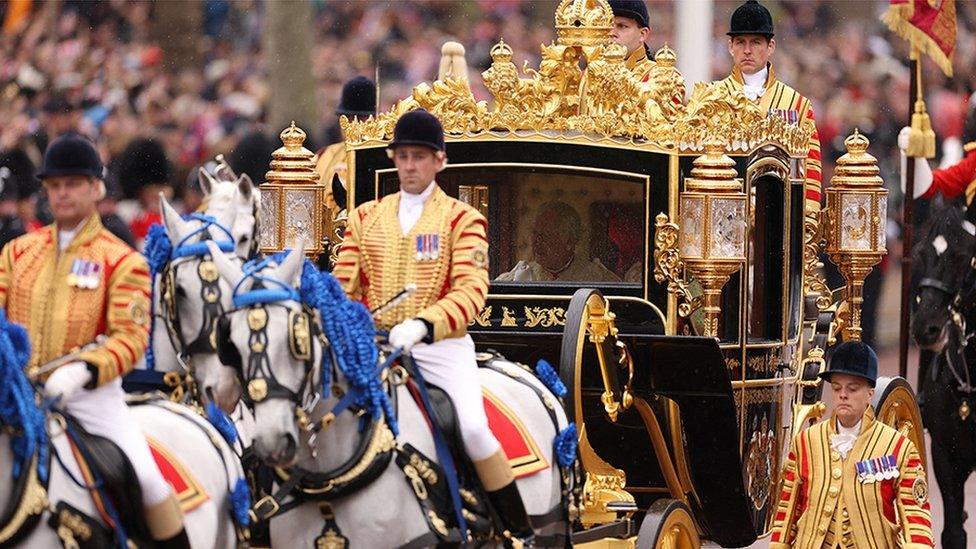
x=712, y=242
x=856, y=209
x=292, y=199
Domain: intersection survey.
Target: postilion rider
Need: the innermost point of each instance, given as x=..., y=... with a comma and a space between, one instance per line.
x=71, y=282
x=751, y=45
x=852, y=481
x=422, y=236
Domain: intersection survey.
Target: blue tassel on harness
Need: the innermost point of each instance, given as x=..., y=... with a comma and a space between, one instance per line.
x=222, y=423
x=240, y=501
x=158, y=251
x=547, y=374
x=17, y=408
x=565, y=445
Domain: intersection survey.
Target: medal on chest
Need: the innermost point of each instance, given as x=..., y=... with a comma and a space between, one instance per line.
x=84, y=274
x=428, y=247
x=877, y=469
x=789, y=115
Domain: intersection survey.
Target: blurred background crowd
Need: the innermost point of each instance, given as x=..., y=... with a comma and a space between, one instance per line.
x=161, y=90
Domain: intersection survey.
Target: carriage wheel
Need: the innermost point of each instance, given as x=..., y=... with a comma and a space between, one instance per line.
x=668, y=525
x=895, y=406
x=585, y=302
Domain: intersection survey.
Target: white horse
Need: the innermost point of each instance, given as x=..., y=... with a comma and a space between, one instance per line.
x=178, y=429
x=285, y=393
x=182, y=326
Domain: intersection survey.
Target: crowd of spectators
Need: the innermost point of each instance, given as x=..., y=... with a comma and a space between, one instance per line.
x=101, y=68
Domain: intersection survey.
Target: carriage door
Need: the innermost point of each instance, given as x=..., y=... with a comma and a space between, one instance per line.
x=768, y=292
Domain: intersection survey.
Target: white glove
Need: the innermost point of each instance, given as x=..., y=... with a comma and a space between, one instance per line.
x=923, y=172
x=903, y=137
x=67, y=380
x=408, y=333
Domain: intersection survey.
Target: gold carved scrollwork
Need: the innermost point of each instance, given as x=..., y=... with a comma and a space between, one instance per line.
x=668, y=266
x=813, y=280
x=483, y=318
x=546, y=317
x=508, y=319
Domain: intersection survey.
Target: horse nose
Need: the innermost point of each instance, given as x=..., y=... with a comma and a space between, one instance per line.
x=932, y=332
x=276, y=450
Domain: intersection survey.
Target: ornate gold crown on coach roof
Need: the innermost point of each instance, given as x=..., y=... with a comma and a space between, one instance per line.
x=604, y=101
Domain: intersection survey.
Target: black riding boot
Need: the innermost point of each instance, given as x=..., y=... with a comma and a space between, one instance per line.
x=179, y=541
x=511, y=510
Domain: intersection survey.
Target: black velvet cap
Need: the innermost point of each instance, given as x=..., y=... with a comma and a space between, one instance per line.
x=418, y=127
x=751, y=18
x=71, y=154
x=631, y=9
x=358, y=98
x=853, y=358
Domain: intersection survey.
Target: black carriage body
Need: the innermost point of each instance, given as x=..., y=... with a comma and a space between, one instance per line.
x=724, y=407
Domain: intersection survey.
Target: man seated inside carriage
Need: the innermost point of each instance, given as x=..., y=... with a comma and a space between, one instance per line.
x=70, y=282
x=556, y=234
x=422, y=236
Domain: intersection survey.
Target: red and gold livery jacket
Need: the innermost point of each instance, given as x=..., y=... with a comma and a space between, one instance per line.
x=445, y=255
x=830, y=501
x=783, y=101
x=97, y=286
x=956, y=179
x=640, y=64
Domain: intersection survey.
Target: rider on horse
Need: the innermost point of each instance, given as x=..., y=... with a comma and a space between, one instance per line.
x=83, y=296
x=422, y=236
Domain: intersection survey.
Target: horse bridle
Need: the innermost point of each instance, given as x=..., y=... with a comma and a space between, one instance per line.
x=186, y=253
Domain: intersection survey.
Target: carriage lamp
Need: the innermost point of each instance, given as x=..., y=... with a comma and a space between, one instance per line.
x=856, y=207
x=292, y=199
x=712, y=227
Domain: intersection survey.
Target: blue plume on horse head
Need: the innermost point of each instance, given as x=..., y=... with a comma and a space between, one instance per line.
x=18, y=410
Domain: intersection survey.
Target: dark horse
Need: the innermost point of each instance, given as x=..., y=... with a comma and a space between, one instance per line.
x=945, y=322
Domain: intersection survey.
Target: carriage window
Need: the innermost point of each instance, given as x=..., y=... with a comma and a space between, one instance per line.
x=553, y=224
x=766, y=259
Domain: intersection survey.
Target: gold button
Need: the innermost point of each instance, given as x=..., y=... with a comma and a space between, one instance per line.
x=828, y=510
x=836, y=472
x=835, y=456
x=846, y=515
x=833, y=491
x=822, y=530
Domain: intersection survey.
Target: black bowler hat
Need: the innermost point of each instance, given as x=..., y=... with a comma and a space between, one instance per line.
x=358, y=98
x=71, y=154
x=751, y=18
x=853, y=358
x=631, y=9
x=418, y=127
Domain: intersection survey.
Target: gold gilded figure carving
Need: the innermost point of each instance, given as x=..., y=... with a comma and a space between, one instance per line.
x=751, y=46
x=83, y=296
x=852, y=481
x=422, y=236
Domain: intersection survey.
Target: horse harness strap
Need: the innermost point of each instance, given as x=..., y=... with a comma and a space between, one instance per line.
x=25, y=508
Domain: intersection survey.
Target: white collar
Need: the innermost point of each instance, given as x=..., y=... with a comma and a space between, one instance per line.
x=855, y=430
x=65, y=236
x=757, y=80
x=413, y=199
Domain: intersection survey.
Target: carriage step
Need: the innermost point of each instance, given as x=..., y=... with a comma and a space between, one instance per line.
x=621, y=506
x=620, y=529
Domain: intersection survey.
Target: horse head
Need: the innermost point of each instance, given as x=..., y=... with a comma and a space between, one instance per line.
x=192, y=294
x=269, y=339
x=941, y=260
x=246, y=202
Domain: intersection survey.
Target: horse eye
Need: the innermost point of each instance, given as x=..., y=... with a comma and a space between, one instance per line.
x=180, y=290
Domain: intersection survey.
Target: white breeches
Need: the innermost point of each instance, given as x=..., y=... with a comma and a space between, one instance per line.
x=103, y=412
x=450, y=364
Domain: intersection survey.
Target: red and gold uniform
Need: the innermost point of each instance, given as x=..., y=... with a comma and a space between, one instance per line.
x=640, y=64
x=957, y=179
x=825, y=503
x=445, y=254
x=778, y=99
x=97, y=286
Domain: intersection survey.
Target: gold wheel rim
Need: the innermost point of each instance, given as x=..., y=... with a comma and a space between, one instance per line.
x=678, y=532
x=900, y=411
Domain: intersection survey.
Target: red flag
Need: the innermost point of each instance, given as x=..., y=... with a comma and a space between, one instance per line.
x=930, y=26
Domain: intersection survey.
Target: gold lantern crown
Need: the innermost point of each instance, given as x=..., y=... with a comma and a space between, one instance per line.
x=583, y=22
x=292, y=162
x=857, y=168
x=714, y=170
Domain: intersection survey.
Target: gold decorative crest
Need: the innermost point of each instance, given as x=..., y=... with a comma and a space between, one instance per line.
x=606, y=101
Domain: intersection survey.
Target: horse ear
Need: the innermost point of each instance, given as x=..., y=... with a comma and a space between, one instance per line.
x=206, y=181
x=228, y=270
x=245, y=187
x=175, y=225
x=290, y=270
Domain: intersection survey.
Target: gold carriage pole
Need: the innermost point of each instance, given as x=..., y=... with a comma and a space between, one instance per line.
x=929, y=28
